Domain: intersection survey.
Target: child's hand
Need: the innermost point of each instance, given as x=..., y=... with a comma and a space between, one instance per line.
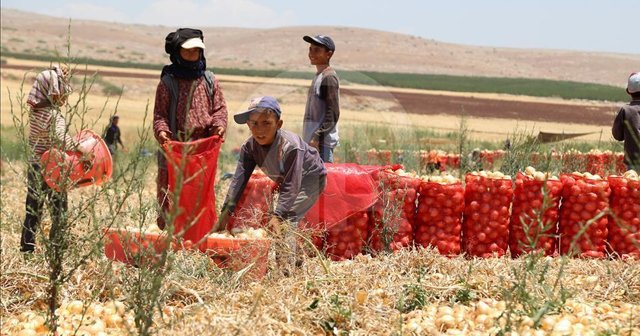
x=221, y=224
x=86, y=147
x=314, y=143
x=275, y=225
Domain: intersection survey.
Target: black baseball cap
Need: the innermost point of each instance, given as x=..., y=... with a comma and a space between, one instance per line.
x=321, y=40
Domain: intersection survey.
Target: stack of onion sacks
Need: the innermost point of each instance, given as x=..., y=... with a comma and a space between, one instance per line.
x=535, y=213
x=391, y=222
x=583, y=219
x=624, y=222
x=439, y=215
x=485, y=228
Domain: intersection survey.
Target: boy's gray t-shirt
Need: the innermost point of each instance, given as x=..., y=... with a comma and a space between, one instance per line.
x=289, y=161
x=323, y=109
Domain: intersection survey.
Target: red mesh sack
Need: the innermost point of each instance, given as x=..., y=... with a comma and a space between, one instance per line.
x=624, y=224
x=197, y=162
x=583, y=200
x=596, y=163
x=535, y=207
x=392, y=216
x=439, y=216
x=609, y=163
x=485, y=227
x=429, y=158
x=489, y=158
x=350, y=189
x=453, y=161
x=573, y=160
x=619, y=163
x=444, y=162
x=346, y=239
x=394, y=234
x=400, y=188
x=350, y=192
x=379, y=157
x=253, y=207
x=384, y=157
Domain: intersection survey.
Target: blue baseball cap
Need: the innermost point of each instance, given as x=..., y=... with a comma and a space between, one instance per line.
x=322, y=40
x=255, y=104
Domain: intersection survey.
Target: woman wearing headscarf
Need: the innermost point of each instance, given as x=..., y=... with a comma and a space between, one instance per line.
x=199, y=108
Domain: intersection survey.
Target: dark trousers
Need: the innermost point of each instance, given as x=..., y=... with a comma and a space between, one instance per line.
x=162, y=187
x=37, y=192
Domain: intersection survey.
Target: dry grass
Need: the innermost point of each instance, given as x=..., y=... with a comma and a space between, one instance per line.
x=366, y=296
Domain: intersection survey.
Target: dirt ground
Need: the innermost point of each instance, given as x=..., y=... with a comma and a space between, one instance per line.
x=443, y=104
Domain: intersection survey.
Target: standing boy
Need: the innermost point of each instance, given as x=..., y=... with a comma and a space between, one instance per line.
x=112, y=135
x=320, y=125
x=626, y=126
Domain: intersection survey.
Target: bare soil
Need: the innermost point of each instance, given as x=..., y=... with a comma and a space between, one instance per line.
x=438, y=104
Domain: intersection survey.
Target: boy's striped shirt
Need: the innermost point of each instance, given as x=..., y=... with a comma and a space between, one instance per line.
x=47, y=129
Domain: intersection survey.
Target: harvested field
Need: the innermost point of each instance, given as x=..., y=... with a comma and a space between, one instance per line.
x=430, y=103
x=443, y=104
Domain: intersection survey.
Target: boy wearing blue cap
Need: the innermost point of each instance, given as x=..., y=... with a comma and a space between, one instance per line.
x=320, y=125
x=283, y=156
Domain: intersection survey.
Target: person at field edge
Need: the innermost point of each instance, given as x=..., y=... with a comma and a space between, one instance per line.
x=286, y=159
x=200, y=112
x=112, y=135
x=626, y=126
x=320, y=124
x=47, y=130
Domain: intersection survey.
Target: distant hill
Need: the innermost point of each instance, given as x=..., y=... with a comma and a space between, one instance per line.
x=283, y=48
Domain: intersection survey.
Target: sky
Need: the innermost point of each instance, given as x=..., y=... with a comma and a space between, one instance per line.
x=586, y=25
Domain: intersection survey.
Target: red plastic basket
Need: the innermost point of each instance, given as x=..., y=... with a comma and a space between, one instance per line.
x=238, y=254
x=65, y=170
x=134, y=247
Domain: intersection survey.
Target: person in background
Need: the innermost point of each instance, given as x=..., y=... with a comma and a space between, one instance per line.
x=320, y=125
x=626, y=126
x=474, y=160
x=286, y=159
x=112, y=136
x=47, y=130
x=200, y=109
